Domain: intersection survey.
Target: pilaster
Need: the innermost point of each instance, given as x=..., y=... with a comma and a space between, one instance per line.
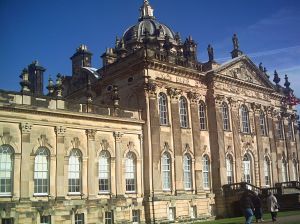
x=120, y=189
x=92, y=163
x=61, y=174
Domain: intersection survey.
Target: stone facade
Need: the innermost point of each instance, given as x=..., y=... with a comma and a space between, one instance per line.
x=190, y=128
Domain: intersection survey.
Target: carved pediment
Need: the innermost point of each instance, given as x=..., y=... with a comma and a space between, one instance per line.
x=243, y=69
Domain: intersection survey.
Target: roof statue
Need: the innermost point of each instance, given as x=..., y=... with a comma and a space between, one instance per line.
x=276, y=78
x=235, y=41
x=210, y=52
x=146, y=11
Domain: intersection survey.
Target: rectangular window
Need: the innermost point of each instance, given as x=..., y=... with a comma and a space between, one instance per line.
x=135, y=216
x=45, y=219
x=79, y=218
x=109, y=217
x=172, y=214
x=40, y=186
x=280, y=129
x=7, y=221
x=74, y=185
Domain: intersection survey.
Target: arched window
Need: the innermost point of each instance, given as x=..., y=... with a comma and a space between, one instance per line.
x=104, y=171
x=187, y=172
x=225, y=115
x=245, y=119
x=202, y=116
x=295, y=170
x=284, y=171
x=267, y=171
x=290, y=131
x=75, y=171
x=183, y=112
x=6, y=169
x=163, y=109
x=41, y=171
x=262, y=123
x=247, y=168
x=166, y=171
x=229, y=168
x=205, y=171
x=130, y=172
x=280, y=129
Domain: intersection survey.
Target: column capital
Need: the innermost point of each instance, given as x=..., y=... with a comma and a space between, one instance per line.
x=118, y=136
x=150, y=87
x=91, y=134
x=25, y=127
x=193, y=97
x=174, y=93
x=60, y=131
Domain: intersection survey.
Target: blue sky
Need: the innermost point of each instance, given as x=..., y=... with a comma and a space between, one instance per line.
x=50, y=31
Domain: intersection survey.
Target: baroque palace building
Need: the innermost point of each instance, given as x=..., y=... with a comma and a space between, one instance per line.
x=151, y=137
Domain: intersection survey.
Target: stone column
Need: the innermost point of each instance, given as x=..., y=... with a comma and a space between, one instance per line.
x=84, y=176
x=141, y=188
x=26, y=158
x=61, y=175
x=52, y=169
x=16, y=191
x=197, y=179
x=120, y=189
x=287, y=144
x=177, y=142
x=92, y=164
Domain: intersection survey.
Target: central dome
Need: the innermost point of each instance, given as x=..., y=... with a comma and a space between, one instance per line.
x=147, y=24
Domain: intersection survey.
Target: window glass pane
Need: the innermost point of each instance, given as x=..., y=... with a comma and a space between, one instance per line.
x=130, y=172
x=79, y=218
x=46, y=219
x=205, y=171
x=74, y=174
x=187, y=172
x=163, y=109
x=245, y=120
x=202, y=116
x=225, y=116
x=229, y=167
x=166, y=171
x=183, y=112
x=104, y=171
x=6, y=168
x=41, y=172
x=109, y=217
x=135, y=216
x=262, y=122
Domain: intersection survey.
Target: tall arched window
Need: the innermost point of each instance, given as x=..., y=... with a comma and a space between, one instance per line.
x=166, y=171
x=280, y=129
x=163, y=109
x=183, y=112
x=262, y=123
x=284, y=170
x=187, y=172
x=247, y=168
x=229, y=168
x=202, y=116
x=295, y=170
x=6, y=169
x=225, y=115
x=41, y=171
x=75, y=171
x=267, y=171
x=130, y=172
x=290, y=131
x=104, y=171
x=205, y=171
x=245, y=119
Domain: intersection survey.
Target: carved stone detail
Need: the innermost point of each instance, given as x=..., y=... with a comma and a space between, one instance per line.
x=104, y=144
x=118, y=136
x=194, y=97
x=174, y=93
x=91, y=134
x=26, y=128
x=150, y=87
x=130, y=146
x=60, y=130
x=6, y=138
x=43, y=141
x=75, y=142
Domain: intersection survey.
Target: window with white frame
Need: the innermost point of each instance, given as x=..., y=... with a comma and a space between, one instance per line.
x=202, y=116
x=74, y=174
x=245, y=119
x=247, y=168
x=45, y=219
x=290, y=131
x=225, y=115
x=172, y=214
x=109, y=217
x=183, y=112
x=205, y=171
x=130, y=172
x=267, y=171
x=229, y=169
x=163, y=109
x=284, y=170
x=79, y=218
x=166, y=171
x=262, y=123
x=135, y=216
x=104, y=172
x=187, y=172
x=41, y=171
x=6, y=169
x=280, y=129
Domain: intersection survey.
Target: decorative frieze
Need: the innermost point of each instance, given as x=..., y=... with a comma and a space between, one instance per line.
x=26, y=127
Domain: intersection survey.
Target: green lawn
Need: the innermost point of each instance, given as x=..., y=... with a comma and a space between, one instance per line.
x=240, y=220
